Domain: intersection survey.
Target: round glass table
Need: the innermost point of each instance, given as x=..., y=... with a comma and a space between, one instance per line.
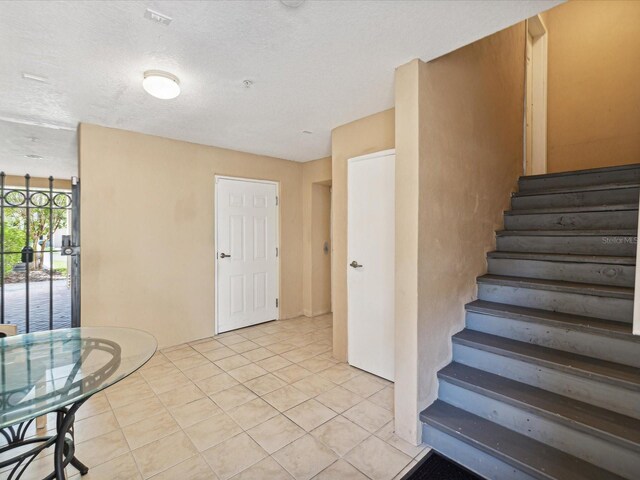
x=57, y=371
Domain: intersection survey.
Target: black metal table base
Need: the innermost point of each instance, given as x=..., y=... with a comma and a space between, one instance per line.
x=62, y=441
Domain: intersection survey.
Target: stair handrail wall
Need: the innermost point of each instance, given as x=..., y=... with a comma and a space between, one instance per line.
x=636, y=294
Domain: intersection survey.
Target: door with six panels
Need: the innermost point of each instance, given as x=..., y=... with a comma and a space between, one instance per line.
x=246, y=253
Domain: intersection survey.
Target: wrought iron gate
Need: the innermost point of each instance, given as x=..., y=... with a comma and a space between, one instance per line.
x=29, y=218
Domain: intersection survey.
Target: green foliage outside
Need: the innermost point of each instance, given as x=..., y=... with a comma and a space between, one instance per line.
x=42, y=225
x=13, y=242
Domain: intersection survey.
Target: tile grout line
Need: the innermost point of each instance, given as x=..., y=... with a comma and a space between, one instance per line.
x=305, y=338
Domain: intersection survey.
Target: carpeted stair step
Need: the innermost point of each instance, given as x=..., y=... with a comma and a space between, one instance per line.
x=594, y=434
x=498, y=453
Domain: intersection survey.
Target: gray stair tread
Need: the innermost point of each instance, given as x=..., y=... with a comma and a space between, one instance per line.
x=589, y=367
x=598, y=421
x=525, y=454
x=568, y=233
x=559, y=286
x=596, y=208
x=565, y=320
x=564, y=257
x=571, y=173
x=577, y=189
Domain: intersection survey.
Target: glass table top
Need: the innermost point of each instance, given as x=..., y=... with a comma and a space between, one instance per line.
x=44, y=371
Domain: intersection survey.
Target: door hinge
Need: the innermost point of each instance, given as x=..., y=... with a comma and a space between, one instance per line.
x=277, y=251
x=277, y=200
x=276, y=302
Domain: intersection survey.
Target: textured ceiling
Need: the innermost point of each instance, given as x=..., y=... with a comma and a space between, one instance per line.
x=313, y=68
x=57, y=147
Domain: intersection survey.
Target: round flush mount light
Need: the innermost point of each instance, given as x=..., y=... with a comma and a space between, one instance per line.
x=292, y=3
x=159, y=84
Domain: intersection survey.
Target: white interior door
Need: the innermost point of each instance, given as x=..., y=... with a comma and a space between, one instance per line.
x=371, y=262
x=247, y=255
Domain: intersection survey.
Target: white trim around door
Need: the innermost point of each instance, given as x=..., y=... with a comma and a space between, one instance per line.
x=536, y=97
x=247, y=252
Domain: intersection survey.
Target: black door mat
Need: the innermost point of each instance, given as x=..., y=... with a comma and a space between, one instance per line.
x=437, y=467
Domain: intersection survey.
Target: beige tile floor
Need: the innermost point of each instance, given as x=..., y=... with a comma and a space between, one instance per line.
x=265, y=402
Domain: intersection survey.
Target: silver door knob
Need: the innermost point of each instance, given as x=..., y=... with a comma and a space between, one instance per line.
x=224, y=255
x=355, y=264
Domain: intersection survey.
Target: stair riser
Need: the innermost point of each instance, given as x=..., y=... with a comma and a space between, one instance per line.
x=587, y=446
x=597, y=273
x=595, y=392
x=578, y=245
x=579, y=180
x=473, y=459
x=618, y=196
x=593, y=345
x=588, y=305
x=612, y=220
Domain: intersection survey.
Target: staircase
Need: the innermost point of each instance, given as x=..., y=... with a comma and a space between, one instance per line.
x=545, y=378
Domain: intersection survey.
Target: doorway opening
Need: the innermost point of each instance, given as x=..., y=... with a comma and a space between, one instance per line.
x=536, y=98
x=321, y=246
x=247, y=254
x=39, y=264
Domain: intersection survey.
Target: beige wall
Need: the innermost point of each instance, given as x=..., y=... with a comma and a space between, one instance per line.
x=148, y=232
x=593, y=95
x=315, y=216
x=320, y=260
x=367, y=135
x=458, y=156
x=409, y=114
x=37, y=182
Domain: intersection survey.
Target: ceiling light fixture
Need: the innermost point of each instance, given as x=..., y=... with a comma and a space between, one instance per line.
x=292, y=3
x=34, y=157
x=308, y=132
x=159, y=84
x=247, y=83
